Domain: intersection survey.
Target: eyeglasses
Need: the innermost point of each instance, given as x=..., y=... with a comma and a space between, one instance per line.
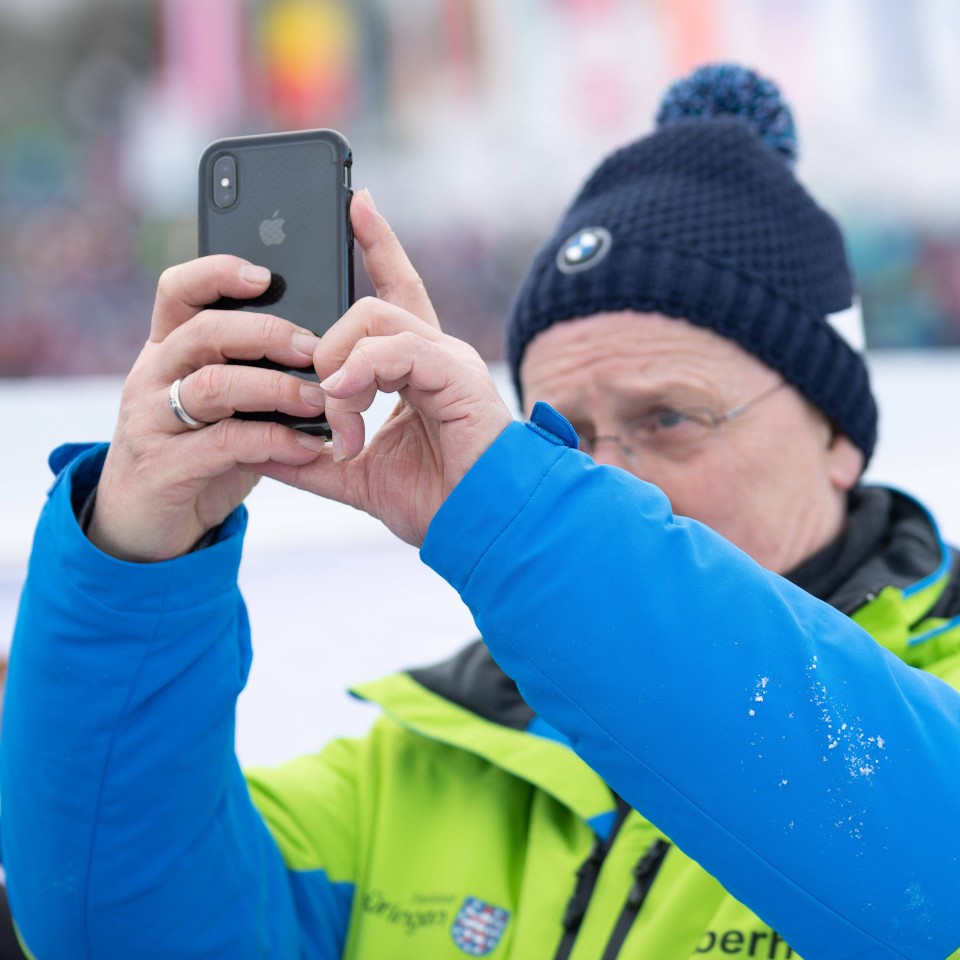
x=671, y=431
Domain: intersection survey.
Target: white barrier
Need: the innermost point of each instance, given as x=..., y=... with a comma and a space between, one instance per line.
x=334, y=599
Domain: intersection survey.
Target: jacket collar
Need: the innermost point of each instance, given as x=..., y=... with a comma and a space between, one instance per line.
x=891, y=572
x=546, y=763
x=889, y=540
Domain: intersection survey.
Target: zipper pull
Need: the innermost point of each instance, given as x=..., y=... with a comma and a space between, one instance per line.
x=587, y=874
x=648, y=864
x=644, y=873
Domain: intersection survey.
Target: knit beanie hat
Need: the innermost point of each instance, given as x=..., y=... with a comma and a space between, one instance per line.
x=704, y=220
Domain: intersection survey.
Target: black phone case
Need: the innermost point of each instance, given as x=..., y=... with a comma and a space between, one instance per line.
x=290, y=213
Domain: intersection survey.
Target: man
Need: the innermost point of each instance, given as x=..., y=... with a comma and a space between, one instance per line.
x=763, y=753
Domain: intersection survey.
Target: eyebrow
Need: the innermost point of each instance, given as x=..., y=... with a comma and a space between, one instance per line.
x=629, y=404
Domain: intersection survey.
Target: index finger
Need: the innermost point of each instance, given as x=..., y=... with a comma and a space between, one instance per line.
x=186, y=289
x=392, y=274
x=368, y=317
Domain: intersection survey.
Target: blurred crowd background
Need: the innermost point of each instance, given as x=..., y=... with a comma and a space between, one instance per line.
x=472, y=121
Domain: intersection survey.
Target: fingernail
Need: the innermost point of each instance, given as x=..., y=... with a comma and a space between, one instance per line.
x=254, y=274
x=306, y=343
x=369, y=198
x=313, y=394
x=332, y=380
x=338, y=453
x=308, y=440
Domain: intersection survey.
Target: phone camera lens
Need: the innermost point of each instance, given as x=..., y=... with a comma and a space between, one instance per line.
x=225, y=181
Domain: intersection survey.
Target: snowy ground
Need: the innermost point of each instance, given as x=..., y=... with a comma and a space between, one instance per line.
x=334, y=599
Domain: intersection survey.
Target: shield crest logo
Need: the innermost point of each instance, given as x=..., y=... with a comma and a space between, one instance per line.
x=478, y=927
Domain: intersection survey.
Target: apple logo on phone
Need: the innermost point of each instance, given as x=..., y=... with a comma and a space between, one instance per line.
x=271, y=230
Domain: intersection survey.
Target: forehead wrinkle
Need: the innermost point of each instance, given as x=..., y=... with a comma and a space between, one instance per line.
x=633, y=354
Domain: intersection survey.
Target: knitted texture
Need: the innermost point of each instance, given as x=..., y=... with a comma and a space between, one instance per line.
x=703, y=222
x=726, y=89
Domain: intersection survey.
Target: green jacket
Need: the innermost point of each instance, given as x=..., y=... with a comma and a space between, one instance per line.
x=462, y=824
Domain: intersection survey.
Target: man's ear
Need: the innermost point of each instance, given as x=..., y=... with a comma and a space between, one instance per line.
x=844, y=463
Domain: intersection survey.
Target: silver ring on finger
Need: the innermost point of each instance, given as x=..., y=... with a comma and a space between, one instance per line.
x=177, y=407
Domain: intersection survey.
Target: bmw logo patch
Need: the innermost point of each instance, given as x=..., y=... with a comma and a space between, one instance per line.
x=584, y=249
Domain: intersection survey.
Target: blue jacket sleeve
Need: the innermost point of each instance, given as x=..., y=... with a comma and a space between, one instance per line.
x=127, y=828
x=813, y=773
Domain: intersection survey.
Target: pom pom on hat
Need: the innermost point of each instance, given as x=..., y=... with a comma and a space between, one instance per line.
x=729, y=90
x=704, y=221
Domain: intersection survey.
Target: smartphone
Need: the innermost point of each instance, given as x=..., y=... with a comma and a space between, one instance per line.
x=282, y=200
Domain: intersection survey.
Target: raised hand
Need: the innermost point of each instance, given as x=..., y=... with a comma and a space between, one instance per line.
x=164, y=484
x=449, y=410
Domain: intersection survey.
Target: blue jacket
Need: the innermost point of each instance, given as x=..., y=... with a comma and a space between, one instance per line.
x=811, y=771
